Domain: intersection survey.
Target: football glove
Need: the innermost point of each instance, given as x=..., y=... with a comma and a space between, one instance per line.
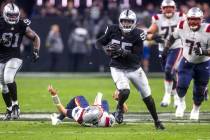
x=158, y=38
x=199, y=51
x=115, y=50
x=35, y=55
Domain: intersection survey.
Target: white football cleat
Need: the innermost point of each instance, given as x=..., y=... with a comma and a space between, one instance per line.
x=176, y=100
x=166, y=100
x=194, y=115
x=54, y=119
x=180, y=108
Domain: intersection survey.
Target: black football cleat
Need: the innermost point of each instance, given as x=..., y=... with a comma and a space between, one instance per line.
x=159, y=125
x=8, y=115
x=15, y=112
x=118, y=116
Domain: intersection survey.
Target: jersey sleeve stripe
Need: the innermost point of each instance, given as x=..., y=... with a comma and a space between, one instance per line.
x=181, y=24
x=208, y=29
x=156, y=17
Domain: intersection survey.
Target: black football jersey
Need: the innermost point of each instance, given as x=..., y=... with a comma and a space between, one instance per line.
x=132, y=43
x=12, y=36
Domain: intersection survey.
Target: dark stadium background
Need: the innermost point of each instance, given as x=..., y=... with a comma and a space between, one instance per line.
x=96, y=61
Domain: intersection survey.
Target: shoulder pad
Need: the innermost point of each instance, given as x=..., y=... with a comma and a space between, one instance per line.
x=208, y=29
x=156, y=17
x=181, y=24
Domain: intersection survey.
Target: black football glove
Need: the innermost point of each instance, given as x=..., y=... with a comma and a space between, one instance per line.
x=115, y=50
x=199, y=51
x=35, y=55
x=158, y=38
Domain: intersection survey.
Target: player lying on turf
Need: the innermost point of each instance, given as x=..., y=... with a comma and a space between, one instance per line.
x=79, y=109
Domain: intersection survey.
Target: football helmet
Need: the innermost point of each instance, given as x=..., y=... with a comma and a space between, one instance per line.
x=127, y=21
x=106, y=120
x=11, y=13
x=194, y=18
x=168, y=8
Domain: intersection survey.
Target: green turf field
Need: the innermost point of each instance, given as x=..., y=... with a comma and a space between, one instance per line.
x=33, y=97
x=44, y=131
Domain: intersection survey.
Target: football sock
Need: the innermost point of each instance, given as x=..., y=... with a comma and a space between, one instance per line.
x=168, y=86
x=149, y=101
x=123, y=96
x=7, y=99
x=13, y=91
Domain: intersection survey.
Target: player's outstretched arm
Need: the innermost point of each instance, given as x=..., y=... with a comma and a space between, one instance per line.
x=36, y=42
x=56, y=100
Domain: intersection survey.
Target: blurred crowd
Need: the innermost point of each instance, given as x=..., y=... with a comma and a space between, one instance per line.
x=90, y=18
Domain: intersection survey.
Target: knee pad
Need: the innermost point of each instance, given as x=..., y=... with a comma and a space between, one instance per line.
x=8, y=79
x=198, y=95
x=168, y=74
x=181, y=91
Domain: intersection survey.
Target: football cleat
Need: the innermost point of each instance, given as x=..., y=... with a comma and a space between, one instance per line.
x=166, y=100
x=118, y=116
x=7, y=116
x=194, y=114
x=180, y=108
x=176, y=100
x=54, y=119
x=159, y=125
x=15, y=112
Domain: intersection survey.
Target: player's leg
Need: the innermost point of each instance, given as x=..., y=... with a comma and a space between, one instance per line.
x=5, y=94
x=184, y=77
x=172, y=58
x=10, y=70
x=140, y=81
x=201, y=78
x=122, y=84
x=105, y=105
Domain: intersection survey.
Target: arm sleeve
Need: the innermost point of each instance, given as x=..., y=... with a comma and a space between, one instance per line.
x=105, y=39
x=25, y=23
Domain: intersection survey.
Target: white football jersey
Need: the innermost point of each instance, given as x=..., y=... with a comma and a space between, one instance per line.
x=166, y=26
x=191, y=39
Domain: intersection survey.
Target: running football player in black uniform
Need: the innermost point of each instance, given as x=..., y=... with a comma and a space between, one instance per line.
x=12, y=30
x=124, y=44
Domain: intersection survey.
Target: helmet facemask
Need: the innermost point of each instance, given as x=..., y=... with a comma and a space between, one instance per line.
x=127, y=21
x=168, y=11
x=11, y=13
x=194, y=23
x=194, y=18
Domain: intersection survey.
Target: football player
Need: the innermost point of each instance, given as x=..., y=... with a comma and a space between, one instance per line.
x=162, y=26
x=12, y=30
x=123, y=43
x=195, y=36
x=79, y=109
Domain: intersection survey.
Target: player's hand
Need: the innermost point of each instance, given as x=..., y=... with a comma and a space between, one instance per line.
x=158, y=38
x=115, y=50
x=52, y=91
x=199, y=51
x=35, y=54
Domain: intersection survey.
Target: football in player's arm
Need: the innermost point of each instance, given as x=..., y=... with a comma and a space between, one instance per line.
x=195, y=36
x=124, y=44
x=79, y=109
x=12, y=30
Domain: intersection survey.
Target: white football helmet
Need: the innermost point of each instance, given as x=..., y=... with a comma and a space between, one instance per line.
x=194, y=18
x=127, y=21
x=11, y=13
x=168, y=8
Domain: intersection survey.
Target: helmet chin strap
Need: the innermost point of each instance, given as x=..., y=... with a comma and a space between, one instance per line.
x=168, y=15
x=195, y=28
